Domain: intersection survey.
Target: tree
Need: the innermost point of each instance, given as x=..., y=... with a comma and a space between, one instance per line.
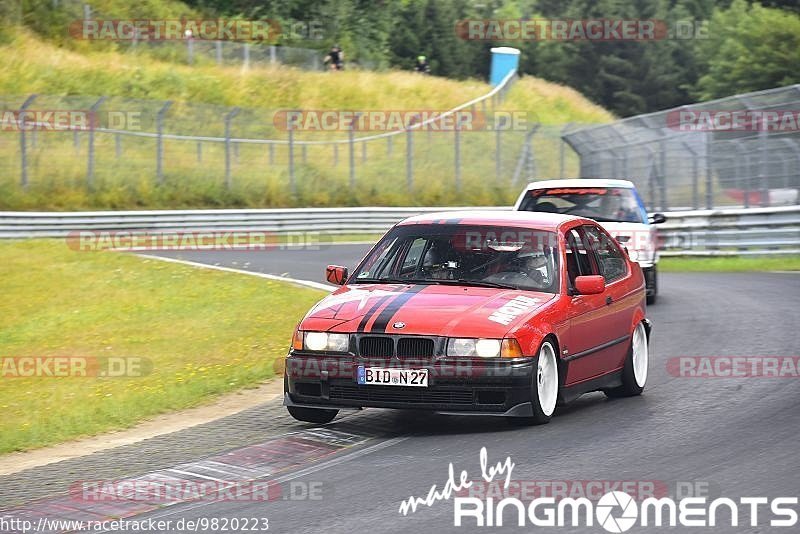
x=751, y=48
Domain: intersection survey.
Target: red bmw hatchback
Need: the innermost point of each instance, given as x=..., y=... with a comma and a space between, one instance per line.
x=480, y=312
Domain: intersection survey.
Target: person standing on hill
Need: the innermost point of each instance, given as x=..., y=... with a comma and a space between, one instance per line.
x=422, y=65
x=335, y=58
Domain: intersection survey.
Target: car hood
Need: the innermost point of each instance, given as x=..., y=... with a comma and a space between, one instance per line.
x=424, y=309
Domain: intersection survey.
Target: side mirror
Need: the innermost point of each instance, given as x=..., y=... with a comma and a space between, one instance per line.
x=336, y=274
x=658, y=218
x=590, y=285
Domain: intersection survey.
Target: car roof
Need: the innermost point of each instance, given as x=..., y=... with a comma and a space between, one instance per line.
x=526, y=219
x=581, y=182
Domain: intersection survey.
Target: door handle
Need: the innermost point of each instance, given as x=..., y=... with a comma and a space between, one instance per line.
x=609, y=300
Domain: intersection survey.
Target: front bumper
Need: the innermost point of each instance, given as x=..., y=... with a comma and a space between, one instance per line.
x=649, y=279
x=454, y=386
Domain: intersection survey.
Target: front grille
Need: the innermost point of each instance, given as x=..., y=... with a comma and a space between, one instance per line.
x=414, y=347
x=376, y=347
x=400, y=394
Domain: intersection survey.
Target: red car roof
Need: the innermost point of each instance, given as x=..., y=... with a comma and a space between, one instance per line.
x=523, y=219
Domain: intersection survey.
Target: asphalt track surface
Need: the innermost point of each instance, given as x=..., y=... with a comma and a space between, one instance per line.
x=736, y=437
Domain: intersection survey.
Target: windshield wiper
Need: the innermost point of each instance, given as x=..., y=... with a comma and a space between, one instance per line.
x=476, y=283
x=382, y=281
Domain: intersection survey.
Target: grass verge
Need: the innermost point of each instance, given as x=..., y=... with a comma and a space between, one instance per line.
x=730, y=263
x=199, y=333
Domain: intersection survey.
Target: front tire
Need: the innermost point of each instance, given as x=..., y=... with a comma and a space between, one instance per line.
x=634, y=374
x=544, y=389
x=312, y=415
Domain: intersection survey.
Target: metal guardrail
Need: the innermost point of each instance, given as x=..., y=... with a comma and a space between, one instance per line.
x=702, y=232
x=731, y=232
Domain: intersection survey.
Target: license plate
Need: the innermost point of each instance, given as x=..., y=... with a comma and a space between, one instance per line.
x=375, y=376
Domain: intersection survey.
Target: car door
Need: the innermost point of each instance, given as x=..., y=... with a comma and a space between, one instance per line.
x=620, y=300
x=592, y=332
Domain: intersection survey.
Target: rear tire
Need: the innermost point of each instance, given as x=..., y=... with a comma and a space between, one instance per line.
x=544, y=387
x=634, y=374
x=312, y=415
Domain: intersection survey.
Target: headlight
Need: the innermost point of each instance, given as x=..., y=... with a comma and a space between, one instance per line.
x=323, y=341
x=483, y=348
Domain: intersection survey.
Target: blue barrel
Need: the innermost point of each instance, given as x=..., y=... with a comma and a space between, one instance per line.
x=504, y=60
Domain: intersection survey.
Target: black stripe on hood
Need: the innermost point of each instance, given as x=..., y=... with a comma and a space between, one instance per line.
x=388, y=312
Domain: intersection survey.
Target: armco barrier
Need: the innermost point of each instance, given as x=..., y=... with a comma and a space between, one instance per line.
x=703, y=232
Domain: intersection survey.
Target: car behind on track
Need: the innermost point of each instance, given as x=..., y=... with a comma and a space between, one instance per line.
x=615, y=204
x=484, y=312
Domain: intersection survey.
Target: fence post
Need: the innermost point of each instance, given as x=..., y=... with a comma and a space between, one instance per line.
x=531, y=160
x=199, y=152
x=190, y=49
x=272, y=58
x=246, y=59
x=271, y=151
x=364, y=152
x=292, y=184
x=90, y=151
x=662, y=176
x=709, y=181
x=118, y=146
x=304, y=152
x=498, y=154
x=762, y=164
x=218, y=46
x=562, y=151
x=351, y=145
x=389, y=145
x=457, y=154
x=160, y=142
x=335, y=155
x=228, y=118
x=23, y=145
x=410, y=156
x=695, y=176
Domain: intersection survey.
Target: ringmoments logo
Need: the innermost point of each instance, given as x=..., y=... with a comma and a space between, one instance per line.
x=615, y=511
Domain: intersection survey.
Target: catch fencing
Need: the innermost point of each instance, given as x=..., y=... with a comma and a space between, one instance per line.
x=142, y=144
x=742, y=150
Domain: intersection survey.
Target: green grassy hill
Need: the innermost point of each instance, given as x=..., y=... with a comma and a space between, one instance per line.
x=193, y=177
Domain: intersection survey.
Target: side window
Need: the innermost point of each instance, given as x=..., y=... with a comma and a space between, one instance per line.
x=579, y=261
x=612, y=263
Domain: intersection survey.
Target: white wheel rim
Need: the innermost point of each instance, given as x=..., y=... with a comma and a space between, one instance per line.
x=547, y=379
x=641, y=357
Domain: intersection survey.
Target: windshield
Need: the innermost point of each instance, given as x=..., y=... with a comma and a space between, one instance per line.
x=604, y=204
x=514, y=258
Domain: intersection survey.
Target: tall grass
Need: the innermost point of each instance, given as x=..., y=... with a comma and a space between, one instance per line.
x=124, y=174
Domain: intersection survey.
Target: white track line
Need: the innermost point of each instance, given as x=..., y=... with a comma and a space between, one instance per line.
x=296, y=281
